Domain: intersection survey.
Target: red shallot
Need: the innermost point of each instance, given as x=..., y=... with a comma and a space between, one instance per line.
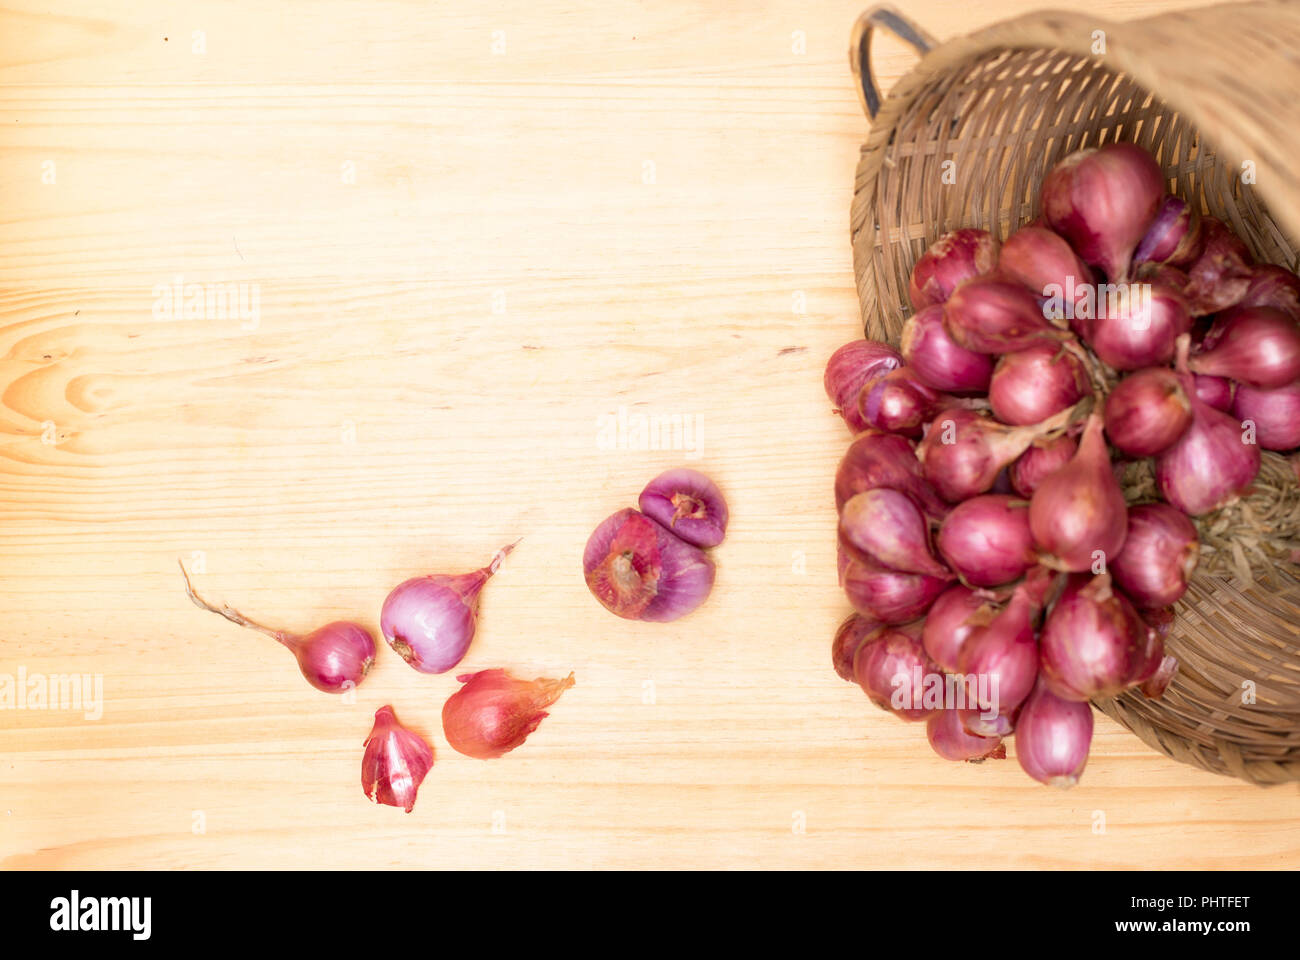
x=963, y=453
x=1222, y=274
x=949, y=262
x=334, y=658
x=951, y=621
x=640, y=570
x=1042, y=261
x=395, y=763
x=1174, y=237
x=1093, y=643
x=1217, y=392
x=877, y=459
x=899, y=402
x=938, y=360
x=493, y=712
x=951, y=741
x=1275, y=414
x=986, y=540
x=852, y=366
x=1003, y=654
x=1259, y=346
x=1147, y=411
x=1159, y=555
x=992, y=315
x=1103, y=200
x=1040, y=461
x=893, y=671
x=1273, y=286
x=1137, y=325
x=889, y=596
x=1053, y=737
x=430, y=621
x=689, y=504
x=886, y=527
x=852, y=633
x=1030, y=385
x=1078, y=514
x=1212, y=463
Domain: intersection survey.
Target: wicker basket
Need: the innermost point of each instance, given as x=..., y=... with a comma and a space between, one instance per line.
x=1204, y=90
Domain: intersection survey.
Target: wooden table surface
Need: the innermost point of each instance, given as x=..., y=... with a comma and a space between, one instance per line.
x=477, y=239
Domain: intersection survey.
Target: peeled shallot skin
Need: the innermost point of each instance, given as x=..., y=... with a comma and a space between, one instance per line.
x=639, y=570
x=395, y=762
x=493, y=713
x=689, y=504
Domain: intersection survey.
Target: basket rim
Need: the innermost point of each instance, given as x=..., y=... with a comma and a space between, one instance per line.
x=1072, y=33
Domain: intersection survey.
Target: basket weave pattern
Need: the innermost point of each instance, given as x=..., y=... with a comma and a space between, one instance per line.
x=964, y=140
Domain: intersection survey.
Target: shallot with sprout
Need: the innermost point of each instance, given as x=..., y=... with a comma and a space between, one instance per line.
x=430, y=621
x=962, y=452
x=689, y=504
x=334, y=658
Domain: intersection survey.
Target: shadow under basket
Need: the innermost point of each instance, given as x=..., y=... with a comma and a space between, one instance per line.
x=964, y=140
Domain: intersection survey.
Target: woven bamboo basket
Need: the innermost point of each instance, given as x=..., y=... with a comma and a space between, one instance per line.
x=964, y=139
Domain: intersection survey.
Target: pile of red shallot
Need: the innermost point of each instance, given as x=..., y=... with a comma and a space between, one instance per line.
x=999, y=579
x=430, y=622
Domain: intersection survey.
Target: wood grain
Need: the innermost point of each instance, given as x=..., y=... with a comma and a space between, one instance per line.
x=464, y=260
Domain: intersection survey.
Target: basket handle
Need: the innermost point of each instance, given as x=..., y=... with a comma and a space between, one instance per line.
x=886, y=18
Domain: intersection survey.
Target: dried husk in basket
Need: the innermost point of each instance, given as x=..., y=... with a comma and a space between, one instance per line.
x=965, y=138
